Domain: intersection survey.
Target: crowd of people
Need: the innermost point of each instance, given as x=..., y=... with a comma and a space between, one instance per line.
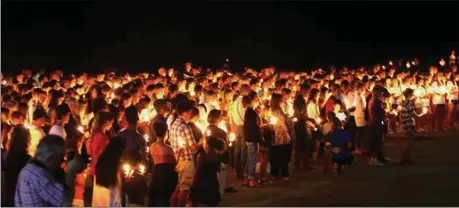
x=185, y=138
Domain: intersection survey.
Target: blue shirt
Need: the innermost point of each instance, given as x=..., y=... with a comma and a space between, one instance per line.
x=36, y=187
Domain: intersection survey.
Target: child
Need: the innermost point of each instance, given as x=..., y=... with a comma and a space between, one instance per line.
x=206, y=189
x=339, y=145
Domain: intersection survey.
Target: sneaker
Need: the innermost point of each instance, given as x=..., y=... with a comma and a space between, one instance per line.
x=376, y=163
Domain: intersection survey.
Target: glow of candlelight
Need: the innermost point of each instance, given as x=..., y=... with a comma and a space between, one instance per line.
x=142, y=169
x=80, y=129
x=27, y=126
x=318, y=120
x=232, y=138
x=273, y=120
x=147, y=138
x=408, y=65
x=295, y=119
x=424, y=110
x=341, y=116
x=222, y=125
x=208, y=133
x=394, y=112
x=4, y=82
x=442, y=62
x=127, y=170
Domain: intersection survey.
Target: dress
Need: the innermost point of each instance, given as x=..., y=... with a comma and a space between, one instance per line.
x=107, y=197
x=205, y=189
x=162, y=185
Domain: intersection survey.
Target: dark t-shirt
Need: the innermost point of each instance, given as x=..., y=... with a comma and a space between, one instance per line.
x=135, y=143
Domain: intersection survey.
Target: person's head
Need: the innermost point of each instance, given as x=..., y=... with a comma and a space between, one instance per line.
x=161, y=107
x=103, y=121
x=214, y=117
x=5, y=115
x=160, y=130
x=19, y=141
x=63, y=114
x=331, y=116
x=51, y=151
x=247, y=101
x=131, y=115
x=245, y=89
x=276, y=100
x=17, y=118
x=337, y=106
x=184, y=108
x=314, y=96
x=126, y=100
x=40, y=118
x=195, y=114
x=408, y=93
x=108, y=166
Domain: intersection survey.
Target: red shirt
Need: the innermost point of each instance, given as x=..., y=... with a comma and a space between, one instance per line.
x=97, y=144
x=329, y=106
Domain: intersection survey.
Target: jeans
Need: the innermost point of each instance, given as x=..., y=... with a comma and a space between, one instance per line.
x=240, y=154
x=88, y=189
x=252, y=153
x=376, y=142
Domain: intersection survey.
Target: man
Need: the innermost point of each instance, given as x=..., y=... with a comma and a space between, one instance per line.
x=62, y=117
x=36, y=130
x=163, y=109
x=37, y=187
x=183, y=144
x=377, y=125
x=237, y=120
x=409, y=115
x=135, y=143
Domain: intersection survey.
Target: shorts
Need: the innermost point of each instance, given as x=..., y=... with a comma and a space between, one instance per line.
x=186, y=171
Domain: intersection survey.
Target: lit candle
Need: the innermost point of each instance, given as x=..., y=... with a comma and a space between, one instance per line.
x=142, y=169
x=273, y=120
x=181, y=143
x=295, y=119
x=232, y=138
x=80, y=129
x=127, y=170
x=222, y=125
x=341, y=116
x=318, y=120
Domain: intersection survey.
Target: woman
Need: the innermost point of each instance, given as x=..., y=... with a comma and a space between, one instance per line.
x=313, y=114
x=164, y=178
x=282, y=144
x=452, y=103
x=253, y=137
x=359, y=115
x=214, y=118
x=302, y=143
x=16, y=158
x=438, y=104
x=95, y=146
x=109, y=176
x=205, y=189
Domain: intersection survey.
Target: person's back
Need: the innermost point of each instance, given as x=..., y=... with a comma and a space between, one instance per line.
x=135, y=143
x=33, y=181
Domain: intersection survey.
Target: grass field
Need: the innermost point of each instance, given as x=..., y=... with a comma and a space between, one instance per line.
x=432, y=181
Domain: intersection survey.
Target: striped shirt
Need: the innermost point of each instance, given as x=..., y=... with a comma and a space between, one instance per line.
x=36, y=187
x=408, y=115
x=180, y=132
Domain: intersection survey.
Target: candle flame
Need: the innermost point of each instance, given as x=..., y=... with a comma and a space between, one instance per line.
x=273, y=120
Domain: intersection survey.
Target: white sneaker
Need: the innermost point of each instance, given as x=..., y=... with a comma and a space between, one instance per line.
x=376, y=163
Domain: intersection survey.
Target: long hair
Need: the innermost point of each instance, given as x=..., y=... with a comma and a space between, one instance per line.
x=312, y=95
x=109, y=162
x=100, y=119
x=18, y=142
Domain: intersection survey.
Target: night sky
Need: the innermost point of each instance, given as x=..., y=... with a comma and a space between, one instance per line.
x=91, y=36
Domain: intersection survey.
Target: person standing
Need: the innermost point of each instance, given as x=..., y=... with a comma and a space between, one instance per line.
x=16, y=158
x=37, y=187
x=377, y=125
x=62, y=117
x=253, y=137
x=237, y=121
x=36, y=131
x=409, y=115
x=164, y=178
x=183, y=144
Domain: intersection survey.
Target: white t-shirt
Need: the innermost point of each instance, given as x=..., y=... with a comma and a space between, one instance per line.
x=312, y=110
x=58, y=131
